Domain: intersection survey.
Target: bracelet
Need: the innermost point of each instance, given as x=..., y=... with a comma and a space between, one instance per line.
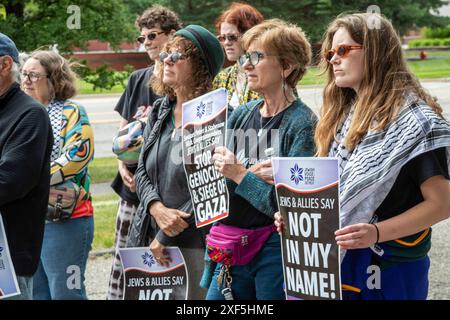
x=378, y=233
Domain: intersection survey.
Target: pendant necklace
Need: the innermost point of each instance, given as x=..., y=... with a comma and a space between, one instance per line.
x=260, y=132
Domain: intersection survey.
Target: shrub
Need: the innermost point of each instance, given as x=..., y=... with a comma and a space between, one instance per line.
x=439, y=33
x=103, y=77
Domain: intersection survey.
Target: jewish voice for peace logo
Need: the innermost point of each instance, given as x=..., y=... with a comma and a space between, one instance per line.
x=201, y=110
x=296, y=174
x=147, y=259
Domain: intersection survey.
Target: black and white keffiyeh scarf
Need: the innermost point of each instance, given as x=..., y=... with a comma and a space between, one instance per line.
x=368, y=173
x=55, y=112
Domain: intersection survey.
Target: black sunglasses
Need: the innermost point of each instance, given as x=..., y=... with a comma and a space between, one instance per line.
x=232, y=37
x=150, y=37
x=253, y=57
x=174, y=56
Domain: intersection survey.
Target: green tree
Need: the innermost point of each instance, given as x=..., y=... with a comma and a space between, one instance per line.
x=404, y=14
x=312, y=15
x=33, y=24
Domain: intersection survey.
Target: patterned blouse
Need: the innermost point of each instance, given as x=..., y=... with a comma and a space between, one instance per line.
x=227, y=78
x=75, y=149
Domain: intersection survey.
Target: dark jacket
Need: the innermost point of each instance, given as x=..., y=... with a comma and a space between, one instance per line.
x=25, y=145
x=144, y=226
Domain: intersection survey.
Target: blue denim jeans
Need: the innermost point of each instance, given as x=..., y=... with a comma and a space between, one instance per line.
x=261, y=279
x=60, y=275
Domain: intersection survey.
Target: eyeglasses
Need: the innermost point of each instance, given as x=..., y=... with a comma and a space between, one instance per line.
x=174, y=56
x=342, y=51
x=150, y=37
x=252, y=57
x=232, y=37
x=32, y=76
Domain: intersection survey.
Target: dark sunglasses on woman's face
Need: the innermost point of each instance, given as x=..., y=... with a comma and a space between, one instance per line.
x=231, y=37
x=342, y=51
x=150, y=37
x=174, y=56
x=253, y=57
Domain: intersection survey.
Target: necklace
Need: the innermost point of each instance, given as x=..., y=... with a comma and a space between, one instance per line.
x=261, y=126
x=260, y=132
x=173, y=124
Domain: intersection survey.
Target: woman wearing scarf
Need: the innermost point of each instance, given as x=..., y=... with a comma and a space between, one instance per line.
x=393, y=147
x=48, y=78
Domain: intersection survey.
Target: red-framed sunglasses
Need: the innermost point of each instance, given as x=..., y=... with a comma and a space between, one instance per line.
x=342, y=51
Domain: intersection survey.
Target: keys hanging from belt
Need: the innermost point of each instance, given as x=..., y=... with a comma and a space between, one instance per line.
x=225, y=275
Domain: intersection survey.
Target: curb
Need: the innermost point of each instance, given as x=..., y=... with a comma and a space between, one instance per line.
x=97, y=96
x=101, y=253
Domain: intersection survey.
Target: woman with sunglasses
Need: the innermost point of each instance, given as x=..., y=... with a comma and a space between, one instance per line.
x=155, y=25
x=190, y=61
x=277, y=55
x=231, y=25
x=48, y=78
x=393, y=147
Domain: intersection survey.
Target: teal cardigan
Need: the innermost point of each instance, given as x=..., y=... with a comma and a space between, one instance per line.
x=296, y=134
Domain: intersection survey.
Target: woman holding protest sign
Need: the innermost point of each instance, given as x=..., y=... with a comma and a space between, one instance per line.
x=190, y=62
x=393, y=147
x=231, y=25
x=277, y=54
x=156, y=25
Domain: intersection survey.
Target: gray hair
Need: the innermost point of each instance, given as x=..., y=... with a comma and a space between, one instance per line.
x=15, y=72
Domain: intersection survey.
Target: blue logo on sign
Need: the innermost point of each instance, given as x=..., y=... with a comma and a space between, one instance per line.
x=296, y=174
x=201, y=110
x=1, y=249
x=147, y=259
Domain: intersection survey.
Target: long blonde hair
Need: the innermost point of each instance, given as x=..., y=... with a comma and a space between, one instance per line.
x=381, y=94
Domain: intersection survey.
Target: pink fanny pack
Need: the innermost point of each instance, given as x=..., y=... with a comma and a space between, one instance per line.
x=236, y=246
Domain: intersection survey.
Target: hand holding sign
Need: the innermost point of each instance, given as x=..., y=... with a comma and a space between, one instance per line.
x=264, y=171
x=227, y=164
x=159, y=252
x=279, y=223
x=357, y=236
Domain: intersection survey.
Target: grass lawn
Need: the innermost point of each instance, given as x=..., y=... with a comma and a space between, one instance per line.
x=103, y=169
x=312, y=77
x=105, y=210
x=87, y=88
x=431, y=69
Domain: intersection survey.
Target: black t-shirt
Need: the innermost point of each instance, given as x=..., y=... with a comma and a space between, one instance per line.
x=406, y=192
x=166, y=157
x=135, y=103
x=242, y=213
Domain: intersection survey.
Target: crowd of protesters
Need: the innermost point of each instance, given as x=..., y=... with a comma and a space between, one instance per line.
x=388, y=134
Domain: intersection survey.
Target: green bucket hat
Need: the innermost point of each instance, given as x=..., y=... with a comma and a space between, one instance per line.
x=208, y=45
